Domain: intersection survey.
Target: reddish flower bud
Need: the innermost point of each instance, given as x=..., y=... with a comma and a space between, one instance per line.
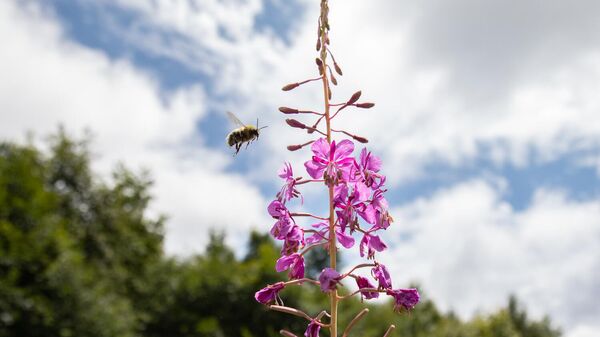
x=295, y=124
x=290, y=86
x=287, y=110
x=337, y=68
x=360, y=139
x=354, y=98
x=319, y=65
x=333, y=80
x=365, y=105
x=318, y=43
x=294, y=147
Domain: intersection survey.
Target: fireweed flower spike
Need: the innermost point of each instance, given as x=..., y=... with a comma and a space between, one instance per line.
x=354, y=184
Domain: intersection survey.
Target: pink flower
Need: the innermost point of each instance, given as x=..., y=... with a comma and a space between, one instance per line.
x=368, y=168
x=352, y=203
x=284, y=223
x=288, y=191
x=293, y=240
x=404, y=298
x=312, y=330
x=270, y=293
x=294, y=262
x=383, y=219
x=332, y=162
x=381, y=274
x=363, y=283
x=328, y=279
x=372, y=243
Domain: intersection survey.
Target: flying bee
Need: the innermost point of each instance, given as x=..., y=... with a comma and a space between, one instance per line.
x=243, y=134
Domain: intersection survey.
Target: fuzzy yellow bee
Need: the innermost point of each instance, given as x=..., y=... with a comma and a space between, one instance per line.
x=242, y=134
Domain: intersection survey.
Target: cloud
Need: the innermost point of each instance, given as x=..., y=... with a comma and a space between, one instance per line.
x=512, y=82
x=469, y=249
x=49, y=80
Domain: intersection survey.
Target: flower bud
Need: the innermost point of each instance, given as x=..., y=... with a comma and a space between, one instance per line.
x=294, y=147
x=337, y=68
x=332, y=78
x=360, y=139
x=295, y=124
x=365, y=105
x=354, y=98
x=319, y=65
x=287, y=110
x=290, y=86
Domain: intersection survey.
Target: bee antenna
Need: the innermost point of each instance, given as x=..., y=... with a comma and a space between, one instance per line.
x=263, y=127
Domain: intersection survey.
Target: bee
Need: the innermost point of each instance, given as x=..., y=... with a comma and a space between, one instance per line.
x=243, y=134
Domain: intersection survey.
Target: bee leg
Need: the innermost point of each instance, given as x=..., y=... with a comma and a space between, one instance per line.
x=248, y=143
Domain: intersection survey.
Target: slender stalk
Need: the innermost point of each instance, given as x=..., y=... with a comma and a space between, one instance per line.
x=363, y=290
x=295, y=312
x=308, y=214
x=301, y=281
x=389, y=330
x=332, y=238
x=354, y=321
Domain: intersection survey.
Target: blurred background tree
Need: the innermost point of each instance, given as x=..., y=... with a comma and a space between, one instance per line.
x=80, y=257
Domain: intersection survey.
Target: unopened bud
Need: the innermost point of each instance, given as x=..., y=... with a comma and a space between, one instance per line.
x=337, y=68
x=360, y=139
x=319, y=65
x=287, y=110
x=365, y=105
x=329, y=92
x=295, y=124
x=333, y=80
x=290, y=86
x=318, y=43
x=354, y=98
x=294, y=147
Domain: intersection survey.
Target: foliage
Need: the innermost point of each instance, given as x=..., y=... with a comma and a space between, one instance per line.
x=81, y=257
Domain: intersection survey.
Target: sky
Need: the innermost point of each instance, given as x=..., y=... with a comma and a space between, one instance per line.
x=486, y=120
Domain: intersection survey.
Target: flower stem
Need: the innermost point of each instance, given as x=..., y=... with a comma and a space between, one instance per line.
x=332, y=238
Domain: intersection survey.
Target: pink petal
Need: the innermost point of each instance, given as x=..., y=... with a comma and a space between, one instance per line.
x=343, y=150
x=321, y=148
x=285, y=262
x=377, y=244
x=361, y=192
x=314, y=170
x=345, y=240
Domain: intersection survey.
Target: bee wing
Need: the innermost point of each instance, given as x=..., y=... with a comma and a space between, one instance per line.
x=234, y=119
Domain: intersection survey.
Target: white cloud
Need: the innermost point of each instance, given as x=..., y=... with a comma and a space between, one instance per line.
x=49, y=80
x=524, y=82
x=470, y=249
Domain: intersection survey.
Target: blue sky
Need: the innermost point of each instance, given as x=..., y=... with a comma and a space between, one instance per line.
x=486, y=120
